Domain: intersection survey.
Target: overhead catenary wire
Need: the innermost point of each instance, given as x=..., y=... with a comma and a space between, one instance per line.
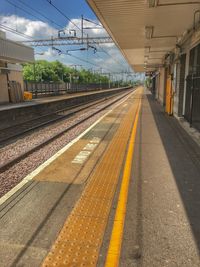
x=96, y=65
x=14, y=31
x=30, y=37
x=64, y=15
x=60, y=11
x=108, y=54
x=83, y=60
x=86, y=61
x=9, y=29
x=41, y=14
x=102, y=58
x=114, y=58
x=24, y=10
x=93, y=22
x=103, y=50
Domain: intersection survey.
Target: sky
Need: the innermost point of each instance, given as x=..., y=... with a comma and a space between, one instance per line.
x=38, y=19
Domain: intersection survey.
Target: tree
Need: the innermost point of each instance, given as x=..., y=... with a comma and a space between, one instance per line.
x=44, y=71
x=41, y=70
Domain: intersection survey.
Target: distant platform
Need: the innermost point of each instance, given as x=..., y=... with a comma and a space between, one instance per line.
x=49, y=99
x=27, y=110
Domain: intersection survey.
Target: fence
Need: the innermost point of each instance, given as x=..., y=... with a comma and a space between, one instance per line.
x=48, y=88
x=192, y=100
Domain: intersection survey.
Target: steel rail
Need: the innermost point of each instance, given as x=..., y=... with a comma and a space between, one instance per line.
x=16, y=160
x=72, y=111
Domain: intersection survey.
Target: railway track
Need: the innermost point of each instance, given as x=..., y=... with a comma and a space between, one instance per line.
x=10, y=133
x=18, y=158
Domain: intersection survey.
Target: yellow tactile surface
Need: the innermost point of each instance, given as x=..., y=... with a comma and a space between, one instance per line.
x=64, y=170
x=80, y=239
x=114, y=250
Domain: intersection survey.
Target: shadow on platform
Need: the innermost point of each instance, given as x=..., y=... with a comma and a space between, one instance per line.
x=184, y=158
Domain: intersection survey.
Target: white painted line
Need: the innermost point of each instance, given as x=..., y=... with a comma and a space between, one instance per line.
x=30, y=176
x=87, y=150
x=81, y=157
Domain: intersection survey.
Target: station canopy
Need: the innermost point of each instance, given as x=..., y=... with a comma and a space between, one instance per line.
x=146, y=30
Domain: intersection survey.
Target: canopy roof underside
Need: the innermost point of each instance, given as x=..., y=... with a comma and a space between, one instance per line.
x=145, y=30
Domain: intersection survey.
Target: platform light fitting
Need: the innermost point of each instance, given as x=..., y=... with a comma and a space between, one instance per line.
x=149, y=32
x=147, y=49
x=153, y=3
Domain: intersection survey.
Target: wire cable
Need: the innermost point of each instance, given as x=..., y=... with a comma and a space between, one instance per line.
x=63, y=14
x=83, y=60
x=41, y=14
x=7, y=28
x=24, y=10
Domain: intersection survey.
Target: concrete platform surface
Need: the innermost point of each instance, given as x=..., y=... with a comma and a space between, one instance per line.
x=163, y=219
x=30, y=220
x=13, y=114
x=68, y=209
x=48, y=99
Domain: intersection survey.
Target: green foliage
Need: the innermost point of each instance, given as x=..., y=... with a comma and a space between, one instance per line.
x=44, y=71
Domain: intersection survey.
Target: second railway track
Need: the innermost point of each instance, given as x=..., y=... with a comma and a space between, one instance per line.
x=10, y=162
x=10, y=133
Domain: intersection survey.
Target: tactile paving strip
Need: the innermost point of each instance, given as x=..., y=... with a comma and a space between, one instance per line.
x=80, y=239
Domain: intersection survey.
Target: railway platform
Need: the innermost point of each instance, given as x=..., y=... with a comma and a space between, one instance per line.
x=124, y=193
x=11, y=114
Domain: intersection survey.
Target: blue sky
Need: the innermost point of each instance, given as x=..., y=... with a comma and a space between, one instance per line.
x=39, y=27
x=72, y=8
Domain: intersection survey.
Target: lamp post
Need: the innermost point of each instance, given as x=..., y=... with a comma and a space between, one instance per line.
x=34, y=74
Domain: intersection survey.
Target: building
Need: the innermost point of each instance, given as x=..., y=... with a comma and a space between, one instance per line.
x=11, y=55
x=161, y=38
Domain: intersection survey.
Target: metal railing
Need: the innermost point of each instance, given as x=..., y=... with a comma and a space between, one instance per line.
x=39, y=89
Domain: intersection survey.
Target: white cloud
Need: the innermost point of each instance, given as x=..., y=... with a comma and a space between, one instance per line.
x=41, y=30
x=93, y=32
x=50, y=52
x=33, y=28
x=89, y=28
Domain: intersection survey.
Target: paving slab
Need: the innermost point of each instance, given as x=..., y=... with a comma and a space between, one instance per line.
x=163, y=220
x=162, y=226
x=32, y=218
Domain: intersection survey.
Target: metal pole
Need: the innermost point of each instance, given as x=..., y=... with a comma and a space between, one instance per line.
x=191, y=100
x=82, y=28
x=34, y=77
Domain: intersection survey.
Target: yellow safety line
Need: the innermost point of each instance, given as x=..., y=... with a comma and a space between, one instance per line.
x=114, y=250
x=80, y=239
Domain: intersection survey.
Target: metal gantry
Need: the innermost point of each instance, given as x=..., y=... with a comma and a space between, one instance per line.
x=59, y=41
x=71, y=38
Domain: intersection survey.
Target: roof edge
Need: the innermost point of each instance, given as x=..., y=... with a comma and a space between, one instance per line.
x=99, y=15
